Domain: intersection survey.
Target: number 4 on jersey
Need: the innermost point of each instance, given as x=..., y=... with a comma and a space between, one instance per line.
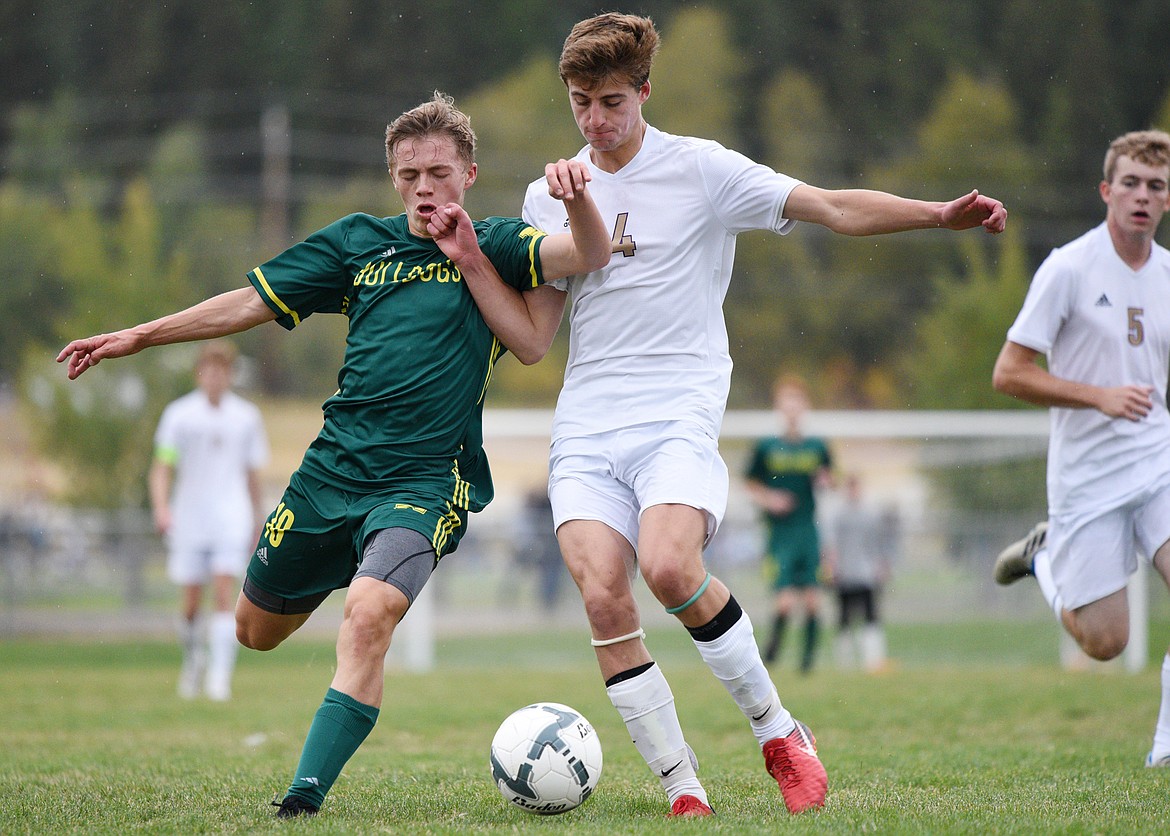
x=623, y=243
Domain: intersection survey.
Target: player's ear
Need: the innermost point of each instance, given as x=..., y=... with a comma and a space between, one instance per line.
x=472, y=171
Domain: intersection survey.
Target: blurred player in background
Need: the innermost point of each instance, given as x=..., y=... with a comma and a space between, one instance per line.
x=860, y=551
x=1099, y=310
x=206, y=500
x=783, y=477
x=385, y=489
x=636, y=480
x=537, y=555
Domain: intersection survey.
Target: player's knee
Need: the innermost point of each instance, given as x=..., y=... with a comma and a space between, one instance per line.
x=255, y=638
x=1105, y=645
x=370, y=626
x=671, y=583
x=610, y=612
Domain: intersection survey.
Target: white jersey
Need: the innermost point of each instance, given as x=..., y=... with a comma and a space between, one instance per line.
x=647, y=339
x=212, y=449
x=1100, y=322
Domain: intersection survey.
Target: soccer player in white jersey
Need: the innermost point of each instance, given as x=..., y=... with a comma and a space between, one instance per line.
x=205, y=494
x=636, y=479
x=1099, y=309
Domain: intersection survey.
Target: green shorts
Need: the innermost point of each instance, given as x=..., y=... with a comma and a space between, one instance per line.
x=795, y=556
x=312, y=543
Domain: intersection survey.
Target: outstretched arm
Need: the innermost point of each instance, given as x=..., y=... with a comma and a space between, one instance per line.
x=228, y=313
x=867, y=212
x=1017, y=374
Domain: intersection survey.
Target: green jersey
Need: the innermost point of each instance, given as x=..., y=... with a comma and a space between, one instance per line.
x=791, y=466
x=418, y=355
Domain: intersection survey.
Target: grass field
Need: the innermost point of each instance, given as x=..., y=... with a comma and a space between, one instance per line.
x=94, y=740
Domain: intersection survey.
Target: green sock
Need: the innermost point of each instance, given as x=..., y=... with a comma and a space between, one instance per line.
x=339, y=727
x=811, y=629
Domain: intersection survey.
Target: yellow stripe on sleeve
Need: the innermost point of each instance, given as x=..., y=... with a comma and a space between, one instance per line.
x=534, y=235
x=276, y=299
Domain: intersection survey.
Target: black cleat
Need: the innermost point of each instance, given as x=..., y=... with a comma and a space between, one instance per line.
x=293, y=806
x=1015, y=561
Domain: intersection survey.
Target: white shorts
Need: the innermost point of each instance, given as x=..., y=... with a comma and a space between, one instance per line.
x=613, y=477
x=1094, y=555
x=197, y=564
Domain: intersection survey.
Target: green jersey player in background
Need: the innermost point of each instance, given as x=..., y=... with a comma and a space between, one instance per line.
x=782, y=479
x=385, y=489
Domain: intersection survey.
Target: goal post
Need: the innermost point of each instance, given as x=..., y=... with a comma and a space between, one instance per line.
x=945, y=571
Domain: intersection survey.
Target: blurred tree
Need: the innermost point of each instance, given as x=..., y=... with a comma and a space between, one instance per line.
x=32, y=288
x=833, y=91
x=522, y=121
x=697, y=81
x=955, y=343
x=802, y=137
x=779, y=285
x=109, y=274
x=846, y=306
x=46, y=141
x=949, y=367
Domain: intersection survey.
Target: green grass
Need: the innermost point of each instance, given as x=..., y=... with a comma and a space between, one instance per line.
x=94, y=741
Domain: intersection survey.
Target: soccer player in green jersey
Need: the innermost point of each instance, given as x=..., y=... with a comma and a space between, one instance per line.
x=782, y=478
x=385, y=489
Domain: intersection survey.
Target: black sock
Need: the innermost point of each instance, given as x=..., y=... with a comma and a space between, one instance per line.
x=723, y=621
x=778, y=625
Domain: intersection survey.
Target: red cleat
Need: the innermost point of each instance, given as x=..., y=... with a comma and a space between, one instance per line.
x=689, y=806
x=793, y=762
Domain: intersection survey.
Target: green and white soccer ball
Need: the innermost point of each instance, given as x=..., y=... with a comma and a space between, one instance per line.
x=546, y=758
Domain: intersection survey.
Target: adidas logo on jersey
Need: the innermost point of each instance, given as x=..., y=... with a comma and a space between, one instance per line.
x=388, y=254
x=1104, y=302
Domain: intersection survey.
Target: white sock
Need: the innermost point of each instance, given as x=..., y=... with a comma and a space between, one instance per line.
x=191, y=642
x=224, y=649
x=646, y=705
x=735, y=660
x=190, y=635
x=1161, y=746
x=843, y=650
x=873, y=647
x=1042, y=568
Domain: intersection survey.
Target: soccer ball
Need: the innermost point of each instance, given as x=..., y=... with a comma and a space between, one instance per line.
x=546, y=758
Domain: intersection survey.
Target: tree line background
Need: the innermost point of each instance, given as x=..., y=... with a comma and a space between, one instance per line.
x=153, y=153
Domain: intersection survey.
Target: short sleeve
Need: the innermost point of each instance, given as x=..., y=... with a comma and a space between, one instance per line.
x=745, y=194
x=308, y=277
x=1045, y=308
x=532, y=214
x=513, y=245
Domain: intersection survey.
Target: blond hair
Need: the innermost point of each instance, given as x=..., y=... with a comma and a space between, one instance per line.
x=790, y=380
x=437, y=117
x=1150, y=148
x=216, y=352
x=610, y=46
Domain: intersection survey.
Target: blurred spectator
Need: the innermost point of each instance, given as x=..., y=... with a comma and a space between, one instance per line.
x=860, y=553
x=205, y=494
x=538, y=554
